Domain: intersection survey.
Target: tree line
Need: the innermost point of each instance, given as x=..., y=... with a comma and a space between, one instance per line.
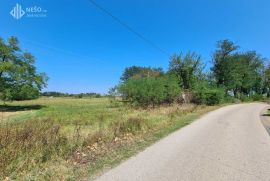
x=78, y=95
x=234, y=75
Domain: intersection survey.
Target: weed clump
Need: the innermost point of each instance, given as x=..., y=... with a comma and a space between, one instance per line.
x=132, y=124
x=25, y=145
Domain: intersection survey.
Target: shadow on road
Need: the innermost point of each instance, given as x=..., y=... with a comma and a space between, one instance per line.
x=267, y=113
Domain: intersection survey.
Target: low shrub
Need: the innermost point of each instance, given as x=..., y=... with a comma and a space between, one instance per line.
x=257, y=97
x=208, y=96
x=231, y=99
x=244, y=98
x=150, y=91
x=214, y=96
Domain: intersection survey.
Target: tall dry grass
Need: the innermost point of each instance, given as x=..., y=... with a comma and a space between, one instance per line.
x=86, y=137
x=28, y=144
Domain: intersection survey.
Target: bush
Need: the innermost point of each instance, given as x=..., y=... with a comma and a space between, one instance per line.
x=214, y=96
x=256, y=97
x=206, y=94
x=231, y=99
x=79, y=96
x=150, y=91
x=244, y=98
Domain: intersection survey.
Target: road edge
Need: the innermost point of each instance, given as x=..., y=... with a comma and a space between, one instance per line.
x=265, y=118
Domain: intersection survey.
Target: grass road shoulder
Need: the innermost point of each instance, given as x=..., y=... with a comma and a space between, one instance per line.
x=74, y=139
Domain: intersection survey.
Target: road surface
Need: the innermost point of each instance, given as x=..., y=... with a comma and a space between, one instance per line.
x=227, y=144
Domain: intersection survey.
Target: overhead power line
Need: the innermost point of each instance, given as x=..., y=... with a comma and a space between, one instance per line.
x=57, y=50
x=61, y=51
x=129, y=28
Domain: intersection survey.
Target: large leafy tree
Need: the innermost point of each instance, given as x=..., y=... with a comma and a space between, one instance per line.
x=266, y=83
x=238, y=72
x=251, y=67
x=140, y=72
x=188, y=69
x=221, y=61
x=19, y=78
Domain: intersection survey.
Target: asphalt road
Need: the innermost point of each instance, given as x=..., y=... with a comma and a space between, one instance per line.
x=227, y=144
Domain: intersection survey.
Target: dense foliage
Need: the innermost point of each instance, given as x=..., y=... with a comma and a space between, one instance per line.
x=140, y=72
x=242, y=75
x=234, y=75
x=150, y=90
x=204, y=93
x=19, y=79
x=188, y=69
x=238, y=72
x=266, y=81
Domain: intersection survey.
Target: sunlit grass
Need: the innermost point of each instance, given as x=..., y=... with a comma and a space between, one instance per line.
x=91, y=134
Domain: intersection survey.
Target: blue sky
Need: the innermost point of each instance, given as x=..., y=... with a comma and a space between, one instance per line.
x=84, y=50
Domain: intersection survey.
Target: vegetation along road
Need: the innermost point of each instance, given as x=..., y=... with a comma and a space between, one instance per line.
x=227, y=144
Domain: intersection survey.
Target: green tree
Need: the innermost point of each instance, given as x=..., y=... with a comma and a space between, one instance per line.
x=240, y=72
x=150, y=91
x=18, y=76
x=250, y=70
x=266, y=84
x=221, y=61
x=188, y=69
x=140, y=72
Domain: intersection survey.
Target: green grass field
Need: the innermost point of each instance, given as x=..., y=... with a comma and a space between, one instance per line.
x=71, y=139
